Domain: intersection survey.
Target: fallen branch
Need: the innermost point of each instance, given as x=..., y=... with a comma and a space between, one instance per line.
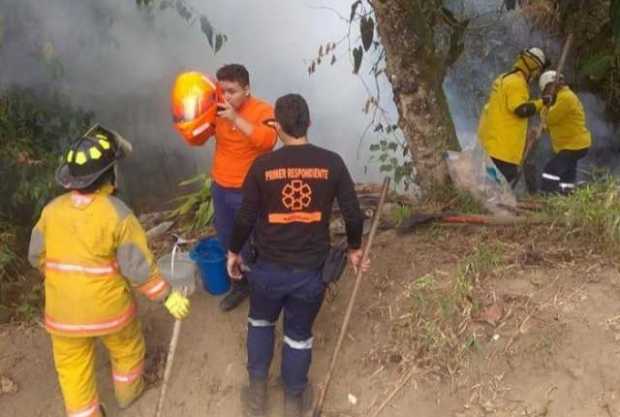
x=389, y=398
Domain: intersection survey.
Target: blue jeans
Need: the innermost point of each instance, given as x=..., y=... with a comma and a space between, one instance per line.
x=226, y=203
x=300, y=294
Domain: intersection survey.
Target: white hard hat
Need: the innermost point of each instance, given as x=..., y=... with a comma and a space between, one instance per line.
x=537, y=54
x=546, y=78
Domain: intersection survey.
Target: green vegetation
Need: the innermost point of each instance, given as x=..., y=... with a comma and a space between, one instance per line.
x=34, y=128
x=195, y=208
x=592, y=212
x=442, y=310
x=595, y=25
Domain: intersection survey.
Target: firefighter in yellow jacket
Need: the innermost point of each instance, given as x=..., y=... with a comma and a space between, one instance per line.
x=503, y=124
x=565, y=120
x=92, y=252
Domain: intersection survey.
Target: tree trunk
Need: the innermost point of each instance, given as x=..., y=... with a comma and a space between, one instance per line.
x=416, y=69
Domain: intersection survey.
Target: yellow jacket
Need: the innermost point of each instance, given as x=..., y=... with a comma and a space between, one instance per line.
x=501, y=131
x=566, y=122
x=92, y=250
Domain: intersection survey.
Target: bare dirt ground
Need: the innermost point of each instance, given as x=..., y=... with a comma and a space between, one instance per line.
x=487, y=322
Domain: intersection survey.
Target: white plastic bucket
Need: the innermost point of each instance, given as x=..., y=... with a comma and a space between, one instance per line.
x=185, y=272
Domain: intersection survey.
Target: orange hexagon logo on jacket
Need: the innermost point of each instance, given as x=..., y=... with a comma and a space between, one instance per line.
x=296, y=195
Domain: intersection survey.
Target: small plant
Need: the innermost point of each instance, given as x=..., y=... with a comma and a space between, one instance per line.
x=197, y=207
x=20, y=297
x=392, y=154
x=401, y=213
x=441, y=311
x=483, y=260
x=591, y=212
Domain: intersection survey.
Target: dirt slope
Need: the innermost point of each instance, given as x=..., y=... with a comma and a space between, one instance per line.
x=535, y=332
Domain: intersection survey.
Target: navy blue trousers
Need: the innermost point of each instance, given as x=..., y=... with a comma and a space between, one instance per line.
x=300, y=294
x=560, y=173
x=226, y=203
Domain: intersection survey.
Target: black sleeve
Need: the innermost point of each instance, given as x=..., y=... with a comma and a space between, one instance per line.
x=526, y=110
x=350, y=207
x=248, y=213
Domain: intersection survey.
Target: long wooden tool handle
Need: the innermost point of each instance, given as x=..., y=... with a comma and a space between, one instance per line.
x=358, y=279
x=174, y=341
x=168, y=370
x=540, y=127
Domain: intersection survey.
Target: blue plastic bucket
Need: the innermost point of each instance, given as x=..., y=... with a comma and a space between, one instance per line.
x=211, y=260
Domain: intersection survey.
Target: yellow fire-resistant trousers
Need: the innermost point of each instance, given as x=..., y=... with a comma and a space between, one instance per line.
x=75, y=363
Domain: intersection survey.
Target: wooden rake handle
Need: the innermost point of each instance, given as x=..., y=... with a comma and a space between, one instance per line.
x=347, y=317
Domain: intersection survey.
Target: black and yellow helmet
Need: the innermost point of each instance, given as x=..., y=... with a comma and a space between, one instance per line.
x=88, y=157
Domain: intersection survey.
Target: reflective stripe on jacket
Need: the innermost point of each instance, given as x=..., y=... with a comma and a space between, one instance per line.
x=92, y=250
x=566, y=122
x=501, y=132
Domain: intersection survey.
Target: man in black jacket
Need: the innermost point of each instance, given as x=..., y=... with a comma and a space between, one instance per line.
x=287, y=201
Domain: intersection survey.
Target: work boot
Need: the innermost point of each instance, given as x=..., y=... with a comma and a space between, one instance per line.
x=239, y=292
x=296, y=405
x=254, y=398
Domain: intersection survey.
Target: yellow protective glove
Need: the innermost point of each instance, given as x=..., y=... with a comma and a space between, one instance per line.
x=177, y=305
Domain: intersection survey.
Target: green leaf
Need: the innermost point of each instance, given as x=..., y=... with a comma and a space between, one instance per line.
x=358, y=53
x=386, y=168
x=219, y=41
x=374, y=147
x=367, y=30
x=597, y=67
x=193, y=180
x=207, y=29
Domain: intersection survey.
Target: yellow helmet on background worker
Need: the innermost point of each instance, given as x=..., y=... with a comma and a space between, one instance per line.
x=194, y=106
x=90, y=156
x=531, y=61
x=548, y=77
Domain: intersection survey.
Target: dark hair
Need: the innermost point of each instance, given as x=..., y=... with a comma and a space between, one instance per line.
x=235, y=73
x=108, y=177
x=293, y=115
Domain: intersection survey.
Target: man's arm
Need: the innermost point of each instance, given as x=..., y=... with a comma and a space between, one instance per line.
x=560, y=110
x=248, y=213
x=260, y=136
x=517, y=99
x=350, y=207
x=36, y=249
x=136, y=262
x=353, y=219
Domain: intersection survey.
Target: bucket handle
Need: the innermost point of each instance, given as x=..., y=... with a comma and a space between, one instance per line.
x=179, y=240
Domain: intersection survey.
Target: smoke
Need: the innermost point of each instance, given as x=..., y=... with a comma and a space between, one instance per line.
x=120, y=62
x=492, y=43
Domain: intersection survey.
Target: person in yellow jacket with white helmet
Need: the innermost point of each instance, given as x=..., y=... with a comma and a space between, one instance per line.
x=503, y=124
x=92, y=252
x=565, y=121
